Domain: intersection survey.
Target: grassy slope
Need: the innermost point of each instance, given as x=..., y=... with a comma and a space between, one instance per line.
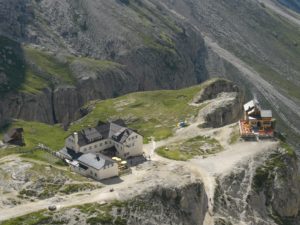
x=154, y=113
x=31, y=70
x=35, y=133
x=45, y=69
x=190, y=148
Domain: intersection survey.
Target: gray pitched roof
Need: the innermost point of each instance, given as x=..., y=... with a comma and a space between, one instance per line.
x=69, y=153
x=92, y=134
x=96, y=161
x=101, y=131
x=122, y=135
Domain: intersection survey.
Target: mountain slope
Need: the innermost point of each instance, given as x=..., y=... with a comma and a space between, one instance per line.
x=251, y=36
x=292, y=4
x=156, y=45
x=148, y=50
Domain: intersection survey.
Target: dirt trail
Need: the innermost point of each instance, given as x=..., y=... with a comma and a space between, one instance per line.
x=76, y=199
x=144, y=177
x=220, y=164
x=79, y=198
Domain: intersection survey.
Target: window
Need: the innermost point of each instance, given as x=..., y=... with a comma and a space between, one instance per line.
x=84, y=149
x=95, y=146
x=90, y=148
x=100, y=144
x=105, y=142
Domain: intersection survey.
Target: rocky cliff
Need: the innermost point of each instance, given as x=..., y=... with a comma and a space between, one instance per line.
x=182, y=205
x=265, y=191
x=144, y=46
x=178, y=205
x=226, y=103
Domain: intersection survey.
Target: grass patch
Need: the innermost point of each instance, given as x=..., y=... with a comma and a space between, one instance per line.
x=35, y=218
x=188, y=149
x=105, y=219
x=100, y=65
x=234, y=135
x=102, y=213
x=265, y=174
x=33, y=83
x=40, y=155
x=163, y=48
x=153, y=113
x=35, y=132
x=73, y=188
x=50, y=64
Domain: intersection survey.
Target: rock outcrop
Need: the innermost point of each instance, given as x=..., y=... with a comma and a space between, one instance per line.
x=145, y=49
x=27, y=106
x=185, y=205
x=226, y=101
x=265, y=191
x=214, y=88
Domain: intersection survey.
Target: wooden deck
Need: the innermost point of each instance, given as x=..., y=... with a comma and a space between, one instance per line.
x=246, y=131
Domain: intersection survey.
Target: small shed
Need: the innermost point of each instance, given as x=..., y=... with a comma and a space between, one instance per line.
x=14, y=136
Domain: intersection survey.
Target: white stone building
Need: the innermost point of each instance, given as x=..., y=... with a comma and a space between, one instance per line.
x=127, y=142
x=96, y=166
x=87, y=148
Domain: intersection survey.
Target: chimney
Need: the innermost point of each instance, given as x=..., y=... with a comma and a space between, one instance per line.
x=76, y=141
